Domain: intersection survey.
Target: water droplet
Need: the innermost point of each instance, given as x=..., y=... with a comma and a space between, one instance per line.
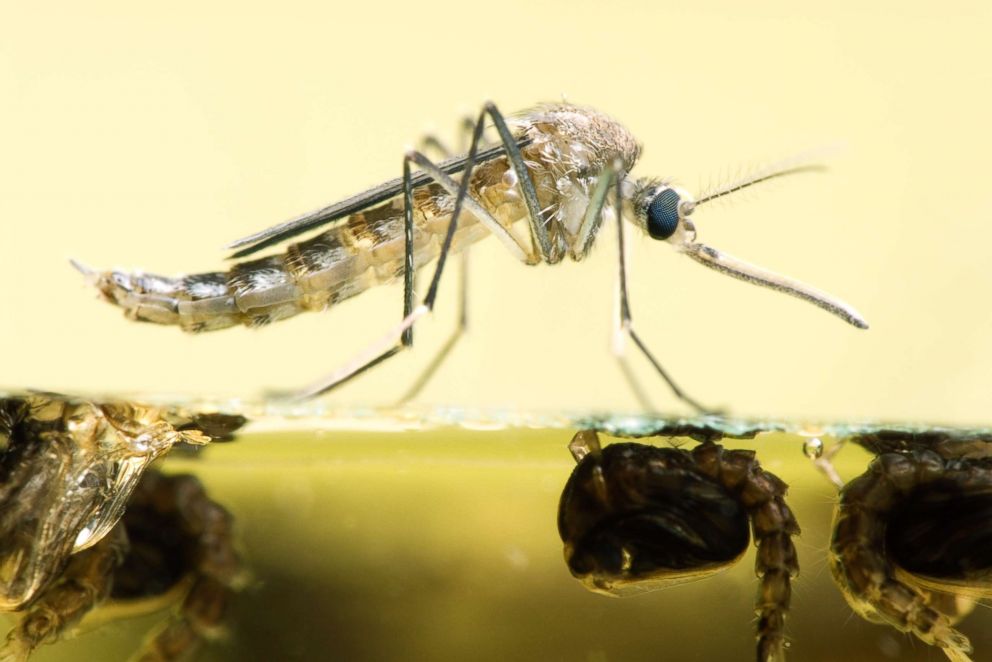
x=813, y=448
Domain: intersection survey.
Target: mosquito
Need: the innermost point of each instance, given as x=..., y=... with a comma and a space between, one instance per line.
x=562, y=168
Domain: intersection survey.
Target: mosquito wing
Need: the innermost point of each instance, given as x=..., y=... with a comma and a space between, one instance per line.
x=368, y=198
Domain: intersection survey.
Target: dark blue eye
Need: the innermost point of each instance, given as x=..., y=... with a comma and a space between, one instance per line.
x=663, y=214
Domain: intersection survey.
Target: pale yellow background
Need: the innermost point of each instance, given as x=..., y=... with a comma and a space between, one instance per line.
x=148, y=135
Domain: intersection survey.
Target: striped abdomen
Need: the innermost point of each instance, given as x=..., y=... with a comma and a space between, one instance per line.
x=365, y=250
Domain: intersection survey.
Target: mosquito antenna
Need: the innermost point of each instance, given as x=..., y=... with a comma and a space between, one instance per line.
x=763, y=175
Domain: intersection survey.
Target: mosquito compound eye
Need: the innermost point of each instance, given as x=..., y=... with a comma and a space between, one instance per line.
x=663, y=214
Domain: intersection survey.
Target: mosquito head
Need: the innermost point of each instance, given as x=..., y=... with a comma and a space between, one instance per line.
x=663, y=211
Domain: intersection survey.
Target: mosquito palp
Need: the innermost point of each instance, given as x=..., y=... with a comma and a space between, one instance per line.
x=557, y=168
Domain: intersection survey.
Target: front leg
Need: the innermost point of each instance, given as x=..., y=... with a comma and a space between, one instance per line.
x=612, y=176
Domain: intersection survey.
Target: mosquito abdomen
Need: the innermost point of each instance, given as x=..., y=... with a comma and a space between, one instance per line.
x=366, y=250
x=252, y=294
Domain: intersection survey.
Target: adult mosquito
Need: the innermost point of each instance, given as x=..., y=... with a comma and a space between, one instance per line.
x=561, y=168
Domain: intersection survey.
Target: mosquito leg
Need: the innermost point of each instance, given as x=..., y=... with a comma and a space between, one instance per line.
x=539, y=232
x=640, y=393
x=542, y=247
x=593, y=218
x=635, y=385
x=401, y=336
x=626, y=324
x=430, y=142
x=547, y=251
x=466, y=127
x=461, y=197
x=428, y=373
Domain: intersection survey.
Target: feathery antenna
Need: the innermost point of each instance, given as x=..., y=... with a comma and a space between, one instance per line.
x=762, y=175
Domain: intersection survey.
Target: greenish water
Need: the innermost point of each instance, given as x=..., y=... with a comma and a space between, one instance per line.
x=441, y=544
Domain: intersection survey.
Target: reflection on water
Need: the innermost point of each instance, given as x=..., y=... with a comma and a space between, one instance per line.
x=382, y=537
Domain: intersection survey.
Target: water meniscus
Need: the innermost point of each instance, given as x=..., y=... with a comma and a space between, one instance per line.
x=561, y=170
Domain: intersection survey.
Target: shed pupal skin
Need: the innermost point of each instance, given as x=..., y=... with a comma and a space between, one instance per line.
x=174, y=545
x=85, y=519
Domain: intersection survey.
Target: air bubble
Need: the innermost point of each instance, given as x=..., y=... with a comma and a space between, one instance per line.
x=813, y=448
